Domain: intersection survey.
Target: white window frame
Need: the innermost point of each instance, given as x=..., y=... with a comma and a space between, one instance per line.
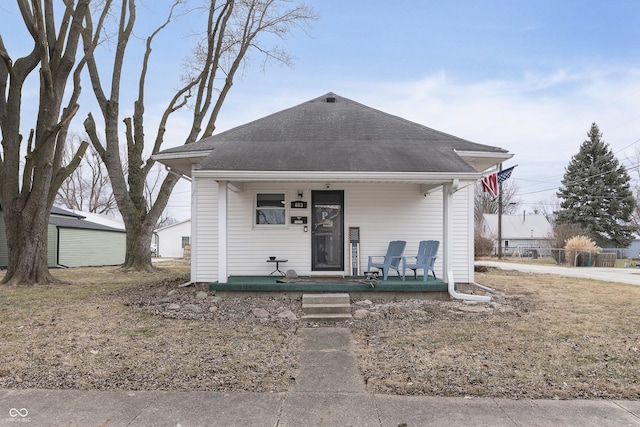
x=256, y=209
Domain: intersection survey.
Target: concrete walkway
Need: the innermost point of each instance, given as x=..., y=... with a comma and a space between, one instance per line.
x=327, y=391
x=630, y=275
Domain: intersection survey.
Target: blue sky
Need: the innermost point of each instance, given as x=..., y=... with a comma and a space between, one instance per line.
x=529, y=76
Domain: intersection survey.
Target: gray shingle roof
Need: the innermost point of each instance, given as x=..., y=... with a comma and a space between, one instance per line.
x=333, y=133
x=81, y=224
x=523, y=226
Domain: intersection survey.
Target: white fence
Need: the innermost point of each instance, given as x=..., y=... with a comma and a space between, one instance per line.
x=605, y=258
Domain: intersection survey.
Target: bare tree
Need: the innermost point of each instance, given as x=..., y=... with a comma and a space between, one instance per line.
x=484, y=203
x=28, y=190
x=548, y=208
x=232, y=30
x=87, y=188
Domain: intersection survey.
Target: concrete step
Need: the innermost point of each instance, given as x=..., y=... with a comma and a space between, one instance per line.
x=327, y=317
x=334, y=298
x=326, y=308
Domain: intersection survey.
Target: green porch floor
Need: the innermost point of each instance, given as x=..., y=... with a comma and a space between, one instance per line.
x=348, y=284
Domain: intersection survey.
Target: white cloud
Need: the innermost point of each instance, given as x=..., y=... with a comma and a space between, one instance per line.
x=541, y=118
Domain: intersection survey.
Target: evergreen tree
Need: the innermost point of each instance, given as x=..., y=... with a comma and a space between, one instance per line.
x=596, y=194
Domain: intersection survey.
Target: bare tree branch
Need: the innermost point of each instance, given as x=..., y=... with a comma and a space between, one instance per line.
x=232, y=29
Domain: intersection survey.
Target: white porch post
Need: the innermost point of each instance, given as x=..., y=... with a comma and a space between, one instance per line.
x=194, y=227
x=447, y=229
x=448, y=189
x=222, y=231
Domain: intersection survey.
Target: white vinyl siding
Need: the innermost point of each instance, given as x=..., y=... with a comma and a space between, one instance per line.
x=250, y=247
x=52, y=245
x=75, y=247
x=204, y=235
x=384, y=212
x=79, y=248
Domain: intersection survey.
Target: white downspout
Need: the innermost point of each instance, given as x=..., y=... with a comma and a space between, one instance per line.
x=448, y=190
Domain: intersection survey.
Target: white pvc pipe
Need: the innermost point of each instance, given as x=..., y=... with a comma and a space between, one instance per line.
x=486, y=288
x=466, y=297
x=447, y=202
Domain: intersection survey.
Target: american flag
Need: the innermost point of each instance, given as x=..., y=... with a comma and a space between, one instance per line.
x=491, y=183
x=505, y=175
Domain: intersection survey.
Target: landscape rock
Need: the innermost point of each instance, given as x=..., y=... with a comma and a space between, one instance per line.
x=193, y=308
x=260, y=313
x=360, y=314
x=173, y=307
x=201, y=295
x=288, y=314
x=364, y=303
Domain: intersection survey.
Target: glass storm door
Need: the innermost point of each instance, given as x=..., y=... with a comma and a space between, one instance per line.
x=327, y=231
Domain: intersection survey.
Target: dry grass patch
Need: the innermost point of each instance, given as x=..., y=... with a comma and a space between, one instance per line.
x=562, y=338
x=90, y=334
x=543, y=336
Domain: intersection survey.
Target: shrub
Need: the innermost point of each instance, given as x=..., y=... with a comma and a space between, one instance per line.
x=482, y=246
x=579, y=248
x=561, y=233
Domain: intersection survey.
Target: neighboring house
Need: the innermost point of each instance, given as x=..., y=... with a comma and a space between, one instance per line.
x=520, y=233
x=632, y=251
x=170, y=241
x=73, y=241
x=300, y=184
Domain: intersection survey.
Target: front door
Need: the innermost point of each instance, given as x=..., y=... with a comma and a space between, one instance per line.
x=327, y=230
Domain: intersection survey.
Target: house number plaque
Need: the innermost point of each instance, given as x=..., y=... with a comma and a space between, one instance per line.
x=299, y=204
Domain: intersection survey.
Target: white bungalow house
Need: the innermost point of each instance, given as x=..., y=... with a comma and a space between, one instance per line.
x=519, y=233
x=307, y=183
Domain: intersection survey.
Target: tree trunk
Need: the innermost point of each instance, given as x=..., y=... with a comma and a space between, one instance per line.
x=28, y=187
x=138, y=256
x=28, y=249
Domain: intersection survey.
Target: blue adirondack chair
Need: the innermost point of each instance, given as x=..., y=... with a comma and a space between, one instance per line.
x=391, y=260
x=425, y=260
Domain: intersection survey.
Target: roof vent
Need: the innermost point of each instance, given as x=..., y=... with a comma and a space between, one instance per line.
x=330, y=99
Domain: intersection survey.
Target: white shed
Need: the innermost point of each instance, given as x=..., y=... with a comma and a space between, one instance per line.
x=171, y=239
